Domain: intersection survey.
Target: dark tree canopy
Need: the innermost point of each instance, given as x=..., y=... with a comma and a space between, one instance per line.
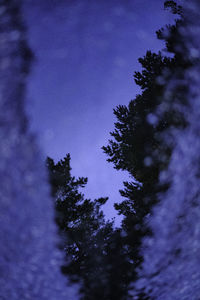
x=95, y=256
x=94, y=247
x=137, y=145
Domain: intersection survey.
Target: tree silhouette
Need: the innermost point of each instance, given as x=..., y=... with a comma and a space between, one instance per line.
x=94, y=256
x=137, y=145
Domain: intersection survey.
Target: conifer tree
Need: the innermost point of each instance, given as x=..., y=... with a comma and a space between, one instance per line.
x=137, y=145
x=94, y=256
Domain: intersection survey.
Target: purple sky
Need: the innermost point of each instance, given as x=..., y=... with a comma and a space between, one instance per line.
x=86, y=53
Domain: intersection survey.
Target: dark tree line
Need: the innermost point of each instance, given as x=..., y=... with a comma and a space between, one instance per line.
x=104, y=259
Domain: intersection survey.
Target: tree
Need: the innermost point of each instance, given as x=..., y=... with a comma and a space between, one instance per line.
x=173, y=271
x=29, y=260
x=94, y=257
x=137, y=145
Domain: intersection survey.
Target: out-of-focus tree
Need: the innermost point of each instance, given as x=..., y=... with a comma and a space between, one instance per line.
x=171, y=256
x=29, y=260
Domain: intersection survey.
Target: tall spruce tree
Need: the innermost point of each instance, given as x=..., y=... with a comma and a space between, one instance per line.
x=80, y=222
x=94, y=256
x=136, y=145
x=95, y=248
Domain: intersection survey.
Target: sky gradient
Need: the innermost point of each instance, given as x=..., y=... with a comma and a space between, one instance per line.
x=85, y=56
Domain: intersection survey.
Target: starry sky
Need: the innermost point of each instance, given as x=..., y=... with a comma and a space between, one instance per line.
x=86, y=53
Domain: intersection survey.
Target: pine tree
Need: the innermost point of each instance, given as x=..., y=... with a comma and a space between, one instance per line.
x=94, y=256
x=137, y=145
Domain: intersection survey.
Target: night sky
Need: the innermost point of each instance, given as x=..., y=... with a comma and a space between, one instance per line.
x=85, y=56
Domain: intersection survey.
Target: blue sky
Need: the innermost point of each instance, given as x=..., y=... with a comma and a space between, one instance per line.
x=85, y=56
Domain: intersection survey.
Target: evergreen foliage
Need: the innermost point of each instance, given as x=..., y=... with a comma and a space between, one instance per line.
x=94, y=255
x=142, y=144
x=137, y=145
